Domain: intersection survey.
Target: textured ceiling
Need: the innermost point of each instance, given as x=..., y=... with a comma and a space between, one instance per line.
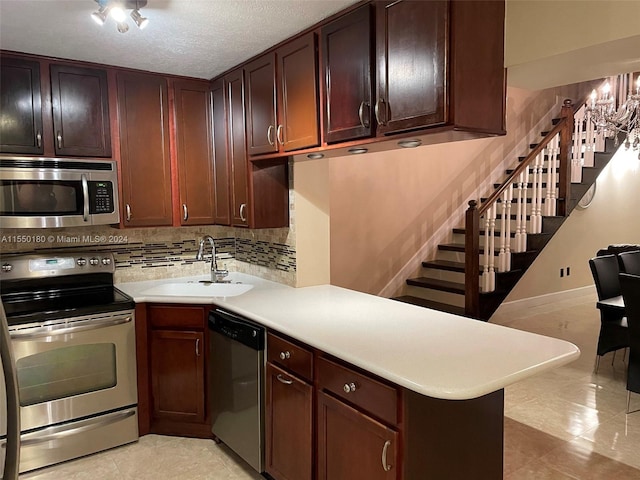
x=195, y=38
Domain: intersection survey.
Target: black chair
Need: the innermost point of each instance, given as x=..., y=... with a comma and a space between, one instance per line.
x=630, y=262
x=630, y=285
x=614, y=332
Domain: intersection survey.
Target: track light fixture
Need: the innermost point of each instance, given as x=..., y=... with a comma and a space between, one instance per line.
x=116, y=10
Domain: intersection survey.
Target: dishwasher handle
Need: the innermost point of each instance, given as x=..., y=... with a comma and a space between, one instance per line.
x=237, y=328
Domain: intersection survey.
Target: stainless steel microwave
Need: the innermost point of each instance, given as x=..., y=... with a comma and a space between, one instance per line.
x=54, y=192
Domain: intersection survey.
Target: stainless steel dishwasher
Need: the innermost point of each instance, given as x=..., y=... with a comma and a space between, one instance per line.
x=236, y=352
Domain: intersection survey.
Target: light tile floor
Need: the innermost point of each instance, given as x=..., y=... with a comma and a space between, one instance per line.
x=568, y=423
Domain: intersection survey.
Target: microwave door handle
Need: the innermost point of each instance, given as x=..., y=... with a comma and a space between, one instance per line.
x=85, y=196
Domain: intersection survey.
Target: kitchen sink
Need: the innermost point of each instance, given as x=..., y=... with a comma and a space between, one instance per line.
x=199, y=289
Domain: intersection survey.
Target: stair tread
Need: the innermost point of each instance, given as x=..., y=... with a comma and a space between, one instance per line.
x=444, y=265
x=443, y=307
x=437, y=284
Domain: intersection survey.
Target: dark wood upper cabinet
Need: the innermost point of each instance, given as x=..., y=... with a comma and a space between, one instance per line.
x=20, y=106
x=262, y=123
x=347, y=76
x=80, y=107
x=282, y=98
x=298, y=94
x=412, y=46
x=221, y=161
x=144, y=149
x=237, y=151
x=194, y=156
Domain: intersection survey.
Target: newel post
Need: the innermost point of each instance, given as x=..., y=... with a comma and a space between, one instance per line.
x=564, y=169
x=471, y=261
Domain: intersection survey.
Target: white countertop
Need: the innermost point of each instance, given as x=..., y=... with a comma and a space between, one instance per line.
x=429, y=352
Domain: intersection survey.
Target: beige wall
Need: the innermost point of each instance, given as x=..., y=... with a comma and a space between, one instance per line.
x=387, y=206
x=612, y=218
x=549, y=43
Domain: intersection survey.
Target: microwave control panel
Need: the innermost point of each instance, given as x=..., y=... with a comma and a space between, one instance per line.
x=101, y=197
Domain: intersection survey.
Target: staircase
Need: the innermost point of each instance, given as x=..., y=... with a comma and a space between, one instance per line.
x=504, y=234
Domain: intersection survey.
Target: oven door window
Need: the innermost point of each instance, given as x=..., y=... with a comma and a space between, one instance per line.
x=66, y=372
x=28, y=197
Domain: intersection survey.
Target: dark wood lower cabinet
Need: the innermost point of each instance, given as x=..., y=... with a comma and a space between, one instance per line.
x=352, y=445
x=289, y=421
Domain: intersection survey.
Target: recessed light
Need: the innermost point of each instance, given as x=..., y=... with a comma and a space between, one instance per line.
x=358, y=150
x=315, y=156
x=409, y=143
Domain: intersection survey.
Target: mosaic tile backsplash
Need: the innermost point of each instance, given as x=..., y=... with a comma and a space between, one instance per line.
x=153, y=253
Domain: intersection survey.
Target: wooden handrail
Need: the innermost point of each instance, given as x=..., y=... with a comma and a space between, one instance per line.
x=560, y=126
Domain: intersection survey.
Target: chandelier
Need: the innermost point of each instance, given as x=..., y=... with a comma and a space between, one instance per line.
x=116, y=10
x=609, y=121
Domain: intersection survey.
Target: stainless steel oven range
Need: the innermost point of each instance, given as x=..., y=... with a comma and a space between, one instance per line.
x=73, y=338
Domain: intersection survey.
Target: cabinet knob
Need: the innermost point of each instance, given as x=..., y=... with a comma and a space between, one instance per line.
x=349, y=387
x=59, y=138
x=39, y=139
x=128, y=209
x=285, y=355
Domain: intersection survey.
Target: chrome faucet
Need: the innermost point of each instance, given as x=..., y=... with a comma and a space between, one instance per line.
x=217, y=276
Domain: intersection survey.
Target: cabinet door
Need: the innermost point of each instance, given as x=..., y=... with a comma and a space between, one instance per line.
x=298, y=94
x=193, y=152
x=353, y=446
x=144, y=149
x=237, y=149
x=411, y=50
x=177, y=375
x=289, y=410
x=80, y=105
x=21, y=107
x=221, y=164
x=347, y=53
x=260, y=79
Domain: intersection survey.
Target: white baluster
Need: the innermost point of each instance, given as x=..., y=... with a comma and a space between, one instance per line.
x=520, y=221
x=536, y=194
x=492, y=246
x=485, y=270
x=551, y=200
x=508, y=232
x=502, y=262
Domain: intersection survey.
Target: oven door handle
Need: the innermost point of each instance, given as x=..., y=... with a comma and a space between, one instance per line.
x=60, y=431
x=85, y=198
x=63, y=329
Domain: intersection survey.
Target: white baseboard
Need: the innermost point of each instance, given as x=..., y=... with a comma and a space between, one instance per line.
x=518, y=305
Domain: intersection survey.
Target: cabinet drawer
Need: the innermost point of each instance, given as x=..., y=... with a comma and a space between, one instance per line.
x=377, y=398
x=290, y=355
x=162, y=316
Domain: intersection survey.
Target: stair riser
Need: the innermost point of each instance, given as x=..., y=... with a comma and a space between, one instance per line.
x=442, y=275
x=435, y=295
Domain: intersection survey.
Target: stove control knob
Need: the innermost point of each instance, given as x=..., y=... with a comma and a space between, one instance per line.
x=7, y=267
x=94, y=261
x=81, y=262
x=106, y=261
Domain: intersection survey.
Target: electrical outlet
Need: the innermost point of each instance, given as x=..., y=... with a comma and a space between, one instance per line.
x=568, y=271
x=561, y=272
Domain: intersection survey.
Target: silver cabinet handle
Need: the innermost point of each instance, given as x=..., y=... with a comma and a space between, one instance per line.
x=377, y=111
x=128, y=209
x=285, y=355
x=38, y=139
x=197, y=347
x=185, y=212
x=269, y=133
x=279, y=135
x=286, y=381
x=85, y=196
x=361, y=113
x=386, y=467
x=243, y=207
x=349, y=387
x=59, y=137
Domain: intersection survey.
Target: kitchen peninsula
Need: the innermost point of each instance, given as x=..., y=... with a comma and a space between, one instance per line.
x=435, y=380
